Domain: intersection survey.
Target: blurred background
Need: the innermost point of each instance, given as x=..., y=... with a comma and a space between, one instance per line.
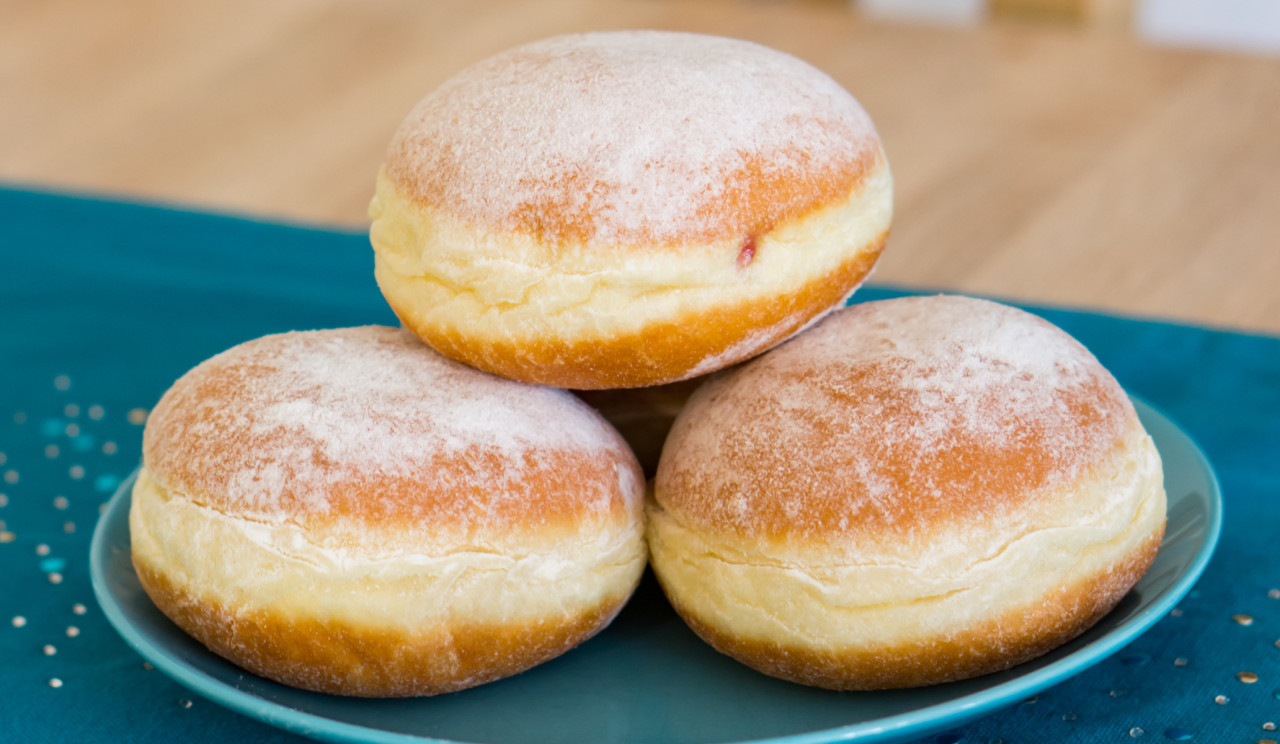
x=1116, y=154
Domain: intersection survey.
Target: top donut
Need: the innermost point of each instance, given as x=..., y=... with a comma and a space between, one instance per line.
x=628, y=208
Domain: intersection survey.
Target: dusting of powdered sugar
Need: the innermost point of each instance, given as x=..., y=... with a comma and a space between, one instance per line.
x=887, y=415
x=636, y=136
x=284, y=418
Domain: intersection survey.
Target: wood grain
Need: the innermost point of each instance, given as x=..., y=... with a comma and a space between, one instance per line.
x=1057, y=164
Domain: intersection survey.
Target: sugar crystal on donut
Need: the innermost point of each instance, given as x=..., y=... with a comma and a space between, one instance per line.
x=626, y=209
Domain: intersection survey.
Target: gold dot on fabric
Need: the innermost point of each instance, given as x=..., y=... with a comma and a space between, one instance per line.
x=1247, y=677
x=7, y=537
x=60, y=502
x=69, y=527
x=71, y=410
x=1274, y=594
x=49, y=650
x=78, y=608
x=73, y=430
x=55, y=683
x=19, y=621
x=51, y=451
x=1243, y=619
x=42, y=549
x=62, y=382
x=1266, y=741
x=76, y=472
x=55, y=578
x=11, y=477
x=96, y=412
x=4, y=499
x=1222, y=700
x=137, y=416
x=72, y=631
x=108, y=448
x=1180, y=661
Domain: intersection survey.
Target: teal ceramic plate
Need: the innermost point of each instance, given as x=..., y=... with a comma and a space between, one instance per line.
x=649, y=679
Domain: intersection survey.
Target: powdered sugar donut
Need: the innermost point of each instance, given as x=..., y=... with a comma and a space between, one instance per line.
x=349, y=512
x=913, y=491
x=626, y=209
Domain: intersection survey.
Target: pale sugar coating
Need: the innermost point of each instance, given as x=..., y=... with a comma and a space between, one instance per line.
x=368, y=424
x=891, y=420
x=634, y=137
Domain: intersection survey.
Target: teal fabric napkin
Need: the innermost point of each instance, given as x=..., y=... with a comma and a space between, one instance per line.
x=103, y=304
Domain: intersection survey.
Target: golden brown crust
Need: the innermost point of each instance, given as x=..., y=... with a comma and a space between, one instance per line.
x=391, y=661
x=661, y=352
x=634, y=138
x=366, y=426
x=1009, y=638
x=866, y=428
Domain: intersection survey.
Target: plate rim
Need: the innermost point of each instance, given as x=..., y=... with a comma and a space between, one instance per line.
x=895, y=727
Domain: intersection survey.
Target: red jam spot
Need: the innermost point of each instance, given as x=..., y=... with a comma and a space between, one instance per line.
x=748, y=252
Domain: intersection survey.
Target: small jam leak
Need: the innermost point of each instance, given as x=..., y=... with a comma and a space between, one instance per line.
x=748, y=252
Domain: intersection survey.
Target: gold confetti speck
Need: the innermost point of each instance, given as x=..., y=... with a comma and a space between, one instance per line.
x=55, y=683
x=49, y=650
x=137, y=416
x=1180, y=661
x=7, y=537
x=1222, y=700
x=1243, y=619
x=60, y=502
x=185, y=703
x=1247, y=677
x=68, y=527
x=96, y=412
x=72, y=631
x=73, y=430
x=78, y=608
x=1266, y=741
x=51, y=451
x=62, y=382
x=11, y=477
x=1135, y=732
x=42, y=549
x=55, y=578
x=76, y=472
x=4, y=500
x=71, y=410
x=1268, y=726
x=108, y=448
x=1274, y=594
x=19, y=621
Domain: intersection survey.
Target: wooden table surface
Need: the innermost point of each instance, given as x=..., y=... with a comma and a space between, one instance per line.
x=1046, y=163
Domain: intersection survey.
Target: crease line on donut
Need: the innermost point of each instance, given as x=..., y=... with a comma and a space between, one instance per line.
x=260, y=532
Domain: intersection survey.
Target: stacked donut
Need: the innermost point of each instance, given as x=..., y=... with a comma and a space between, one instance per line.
x=904, y=493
